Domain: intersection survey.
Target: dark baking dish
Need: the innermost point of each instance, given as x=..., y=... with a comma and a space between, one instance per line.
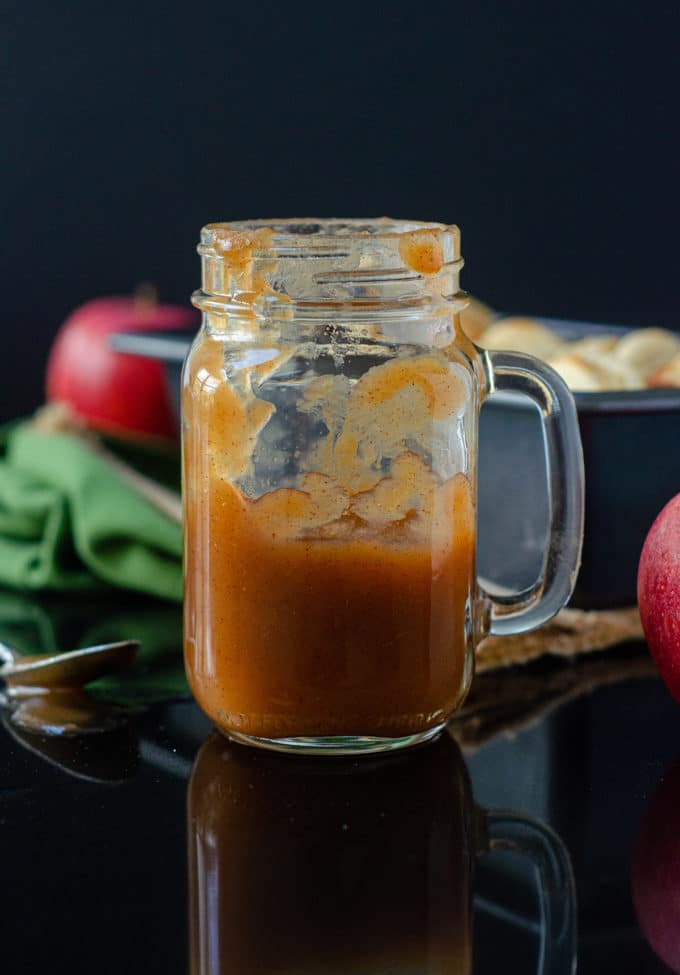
x=631, y=447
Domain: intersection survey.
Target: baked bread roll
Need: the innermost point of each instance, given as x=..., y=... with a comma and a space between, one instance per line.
x=647, y=349
x=521, y=335
x=590, y=373
x=476, y=318
x=667, y=375
x=594, y=345
x=595, y=363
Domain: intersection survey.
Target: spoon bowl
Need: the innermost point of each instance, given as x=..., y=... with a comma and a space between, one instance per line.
x=74, y=668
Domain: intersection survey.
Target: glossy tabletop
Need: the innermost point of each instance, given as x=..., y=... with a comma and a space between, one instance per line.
x=117, y=858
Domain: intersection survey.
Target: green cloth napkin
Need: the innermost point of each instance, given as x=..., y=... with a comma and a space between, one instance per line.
x=69, y=522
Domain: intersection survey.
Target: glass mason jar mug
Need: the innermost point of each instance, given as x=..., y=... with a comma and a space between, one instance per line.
x=330, y=414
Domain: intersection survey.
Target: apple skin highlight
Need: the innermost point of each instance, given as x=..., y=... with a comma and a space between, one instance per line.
x=658, y=590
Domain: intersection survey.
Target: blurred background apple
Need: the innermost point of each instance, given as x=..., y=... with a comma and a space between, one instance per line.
x=109, y=391
x=656, y=870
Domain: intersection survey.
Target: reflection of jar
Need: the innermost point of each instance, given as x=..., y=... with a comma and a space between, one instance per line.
x=330, y=421
x=308, y=865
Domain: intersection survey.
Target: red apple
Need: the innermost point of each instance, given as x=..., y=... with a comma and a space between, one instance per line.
x=659, y=594
x=110, y=391
x=655, y=874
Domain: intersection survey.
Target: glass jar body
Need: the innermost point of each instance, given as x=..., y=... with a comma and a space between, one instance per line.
x=329, y=485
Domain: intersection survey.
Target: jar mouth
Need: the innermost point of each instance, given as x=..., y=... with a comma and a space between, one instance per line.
x=302, y=231
x=348, y=261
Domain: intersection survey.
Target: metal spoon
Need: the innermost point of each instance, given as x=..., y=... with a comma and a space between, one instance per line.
x=75, y=668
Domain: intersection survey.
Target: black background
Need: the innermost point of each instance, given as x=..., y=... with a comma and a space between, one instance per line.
x=546, y=131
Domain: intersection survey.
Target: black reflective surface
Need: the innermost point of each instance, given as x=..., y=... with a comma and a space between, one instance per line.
x=113, y=862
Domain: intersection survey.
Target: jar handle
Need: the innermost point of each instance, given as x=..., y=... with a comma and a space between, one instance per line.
x=557, y=891
x=531, y=608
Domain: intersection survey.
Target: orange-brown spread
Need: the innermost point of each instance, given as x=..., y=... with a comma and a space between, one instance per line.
x=61, y=711
x=338, y=606
x=234, y=272
x=422, y=251
x=236, y=246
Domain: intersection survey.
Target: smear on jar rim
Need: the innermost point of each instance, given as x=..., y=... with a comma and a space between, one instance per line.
x=422, y=250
